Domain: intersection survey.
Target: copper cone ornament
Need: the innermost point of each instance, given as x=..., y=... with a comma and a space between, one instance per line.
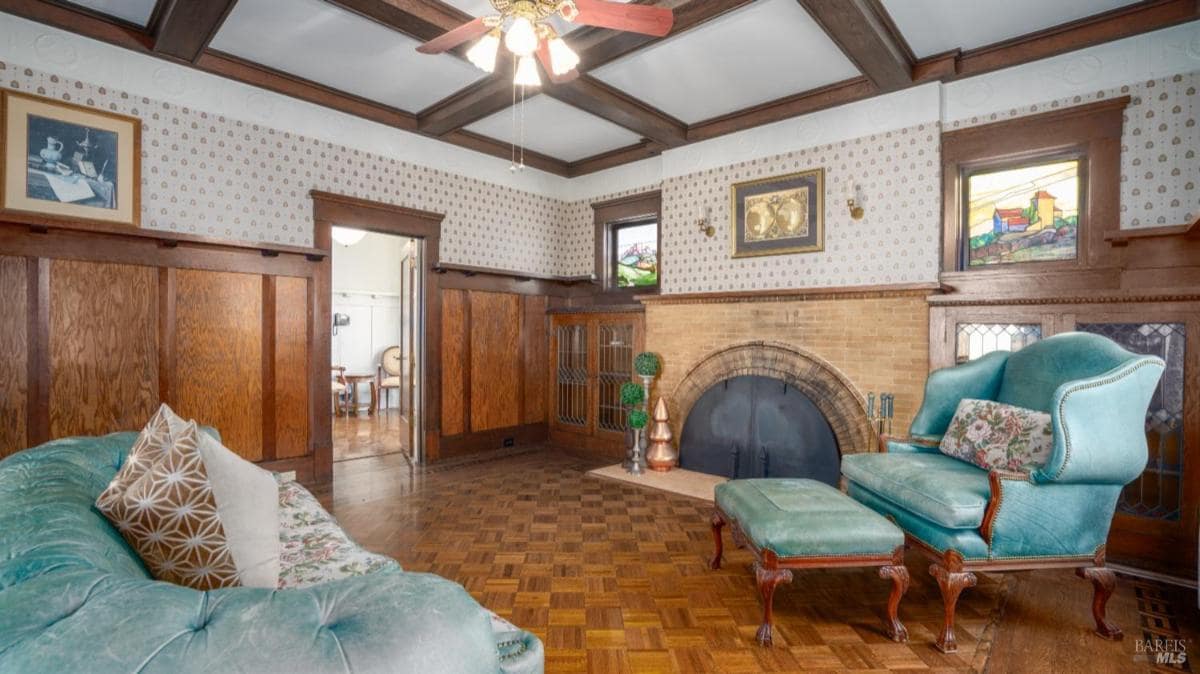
x=661, y=456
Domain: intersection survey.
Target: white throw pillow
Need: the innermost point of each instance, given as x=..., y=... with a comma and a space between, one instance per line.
x=144, y=498
x=248, y=506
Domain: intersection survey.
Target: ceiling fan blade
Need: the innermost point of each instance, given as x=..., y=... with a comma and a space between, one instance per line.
x=543, y=57
x=451, y=39
x=645, y=19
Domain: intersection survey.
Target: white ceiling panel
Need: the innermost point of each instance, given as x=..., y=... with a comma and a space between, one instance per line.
x=133, y=11
x=935, y=26
x=557, y=129
x=319, y=42
x=762, y=52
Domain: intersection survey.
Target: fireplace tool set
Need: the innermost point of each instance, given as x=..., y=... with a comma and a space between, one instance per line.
x=881, y=417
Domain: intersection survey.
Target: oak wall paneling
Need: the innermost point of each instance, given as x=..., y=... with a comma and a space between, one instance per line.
x=496, y=359
x=218, y=355
x=103, y=347
x=291, y=367
x=14, y=293
x=117, y=320
x=535, y=340
x=456, y=366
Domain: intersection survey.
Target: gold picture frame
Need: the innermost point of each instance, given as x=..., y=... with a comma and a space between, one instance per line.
x=69, y=162
x=779, y=215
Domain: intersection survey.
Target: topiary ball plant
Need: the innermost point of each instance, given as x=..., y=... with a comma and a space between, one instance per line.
x=632, y=394
x=637, y=419
x=646, y=364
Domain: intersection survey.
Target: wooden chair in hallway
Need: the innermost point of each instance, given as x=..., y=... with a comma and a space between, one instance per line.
x=338, y=388
x=387, y=374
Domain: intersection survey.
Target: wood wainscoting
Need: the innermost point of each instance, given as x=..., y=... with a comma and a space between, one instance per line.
x=104, y=325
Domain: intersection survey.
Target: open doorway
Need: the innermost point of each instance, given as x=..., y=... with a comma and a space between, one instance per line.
x=375, y=344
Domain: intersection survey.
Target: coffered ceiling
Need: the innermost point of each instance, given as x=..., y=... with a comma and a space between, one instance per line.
x=727, y=65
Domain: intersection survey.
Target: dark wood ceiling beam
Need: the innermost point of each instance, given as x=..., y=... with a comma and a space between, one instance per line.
x=617, y=157
x=866, y=35
x=467, y=106
x=474, y=141
x=81, y=22
x=421, y=20
x=593, y=96
x=780, y=109
x=183, y=28
x=1116, y=24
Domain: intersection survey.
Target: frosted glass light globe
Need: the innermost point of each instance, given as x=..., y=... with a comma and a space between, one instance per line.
x=521, y=38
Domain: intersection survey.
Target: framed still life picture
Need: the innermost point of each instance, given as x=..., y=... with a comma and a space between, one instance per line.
x=779, y=215
x=68, y=161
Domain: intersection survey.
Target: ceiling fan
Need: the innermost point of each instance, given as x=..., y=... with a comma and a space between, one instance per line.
x=530, y=34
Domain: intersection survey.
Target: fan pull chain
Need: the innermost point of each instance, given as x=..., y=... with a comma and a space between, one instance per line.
x=512, y=160
x=522, y=165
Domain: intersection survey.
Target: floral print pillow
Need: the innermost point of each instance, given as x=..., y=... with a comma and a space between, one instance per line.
x=993, y=435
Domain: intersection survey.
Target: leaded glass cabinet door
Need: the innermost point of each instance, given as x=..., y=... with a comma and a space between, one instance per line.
x=571, y=351
x=1156, y=521
x=618, y=340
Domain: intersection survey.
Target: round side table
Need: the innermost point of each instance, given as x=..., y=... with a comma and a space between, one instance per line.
x=353, y=381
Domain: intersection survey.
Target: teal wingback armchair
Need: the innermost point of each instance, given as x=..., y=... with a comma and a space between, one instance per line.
x=965, y=518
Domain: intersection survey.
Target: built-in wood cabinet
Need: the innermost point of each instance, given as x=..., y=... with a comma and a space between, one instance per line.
x=591, y=355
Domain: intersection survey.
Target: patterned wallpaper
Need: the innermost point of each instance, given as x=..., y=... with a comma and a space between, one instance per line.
x=213, y=175
x=896, y=241
x=1160, y=164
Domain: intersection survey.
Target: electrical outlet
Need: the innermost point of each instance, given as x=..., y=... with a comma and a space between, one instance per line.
x=509, y=442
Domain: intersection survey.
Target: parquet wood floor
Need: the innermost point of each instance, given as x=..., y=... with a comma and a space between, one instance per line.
x=614, y=578
x=355, y=437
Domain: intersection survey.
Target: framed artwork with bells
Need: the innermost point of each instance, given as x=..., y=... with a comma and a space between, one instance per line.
x=778, y=215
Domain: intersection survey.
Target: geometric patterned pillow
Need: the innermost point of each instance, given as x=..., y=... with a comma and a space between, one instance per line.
x=169, y=516
x=994, y=435
x=151, y=443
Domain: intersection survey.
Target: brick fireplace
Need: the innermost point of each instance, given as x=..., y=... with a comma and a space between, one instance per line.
x=835, y=346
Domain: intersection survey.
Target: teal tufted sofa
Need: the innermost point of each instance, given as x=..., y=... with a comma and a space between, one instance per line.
x=965, y=518
x=74, y=597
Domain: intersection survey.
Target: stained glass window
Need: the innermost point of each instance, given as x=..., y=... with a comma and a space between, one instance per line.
x=635, y=255
x=1028, y=213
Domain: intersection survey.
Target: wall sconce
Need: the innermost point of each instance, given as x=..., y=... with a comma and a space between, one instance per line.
x=856, y=210
x=703, y=217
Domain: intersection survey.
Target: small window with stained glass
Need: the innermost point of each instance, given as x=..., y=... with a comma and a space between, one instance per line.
x=1022, y=213
x=634, y=248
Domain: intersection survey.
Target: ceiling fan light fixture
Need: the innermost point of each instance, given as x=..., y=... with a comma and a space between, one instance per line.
x=483, y=53
x=521, y=38
x=527, y=73
x=562, y=58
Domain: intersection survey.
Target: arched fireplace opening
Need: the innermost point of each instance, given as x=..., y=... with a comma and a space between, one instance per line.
x=759, y=426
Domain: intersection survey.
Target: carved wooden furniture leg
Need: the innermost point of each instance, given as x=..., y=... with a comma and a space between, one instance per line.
x=952, y=580
x=717, y=523
x=1104, y=581
x=899, y=575
x=768, y=580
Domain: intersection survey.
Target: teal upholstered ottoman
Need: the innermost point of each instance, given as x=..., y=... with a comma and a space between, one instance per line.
x=804, y=524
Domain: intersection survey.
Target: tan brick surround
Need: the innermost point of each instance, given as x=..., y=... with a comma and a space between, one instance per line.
x=865, y=341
